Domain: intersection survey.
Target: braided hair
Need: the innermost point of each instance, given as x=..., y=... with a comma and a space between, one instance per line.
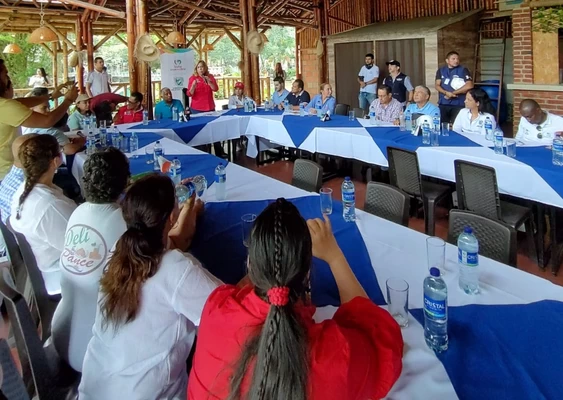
x=280, y=255
x=36, y=155
x=147, y=207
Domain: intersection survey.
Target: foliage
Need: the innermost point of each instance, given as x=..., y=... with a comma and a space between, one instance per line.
x=22, y=66
x=547, y=20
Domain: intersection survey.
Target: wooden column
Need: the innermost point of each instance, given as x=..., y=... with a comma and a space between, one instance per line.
x=55, y=47
x=254, y=58
x=79, y=45
x=131, y=37
x=144, y=85
x=89, y=44
x=205, y=51
x=297, y=57
x=321, y=32
x=246, y=74
x=65, y=62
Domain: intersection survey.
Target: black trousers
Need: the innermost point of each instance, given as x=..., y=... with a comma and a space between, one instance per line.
x=449, y=113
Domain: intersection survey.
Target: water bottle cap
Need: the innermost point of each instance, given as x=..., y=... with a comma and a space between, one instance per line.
x=347, y=178
x=175, y=158
x=158, y=142
x=435, y=272
x=468, y=229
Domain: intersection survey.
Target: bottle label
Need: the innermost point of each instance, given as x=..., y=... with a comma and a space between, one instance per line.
x=372, y=114
x=434, y=308
x=469, y=259
x=221, y=178
x=349, y=197
x=558, y=147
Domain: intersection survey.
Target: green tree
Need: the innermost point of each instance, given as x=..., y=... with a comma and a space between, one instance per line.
x=23, y=65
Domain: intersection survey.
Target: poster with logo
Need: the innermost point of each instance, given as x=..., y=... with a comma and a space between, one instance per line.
x=176, y=66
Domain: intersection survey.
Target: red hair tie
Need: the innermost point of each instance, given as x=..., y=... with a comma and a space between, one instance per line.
x=278, y=296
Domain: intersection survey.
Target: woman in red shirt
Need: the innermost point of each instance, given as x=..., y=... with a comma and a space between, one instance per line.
x=260, y=342
x=201, y=87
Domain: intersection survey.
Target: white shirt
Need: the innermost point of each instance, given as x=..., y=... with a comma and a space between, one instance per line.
x=528, y=132
x=234, y=101
x=146, y=358
x=368, y=75
x=463, y=123
x=98, y=82
x=37, y=81
x=91, y=233
x=43, y=218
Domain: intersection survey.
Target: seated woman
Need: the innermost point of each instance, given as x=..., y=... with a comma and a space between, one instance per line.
x=322, y=101
x=246, y=331
x=40, y=211
x=477, y=108
x=237, y=100
x=81, y=111
x=91, y=233
x=150, y=303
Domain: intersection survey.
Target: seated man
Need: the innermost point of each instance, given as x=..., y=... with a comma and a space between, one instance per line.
x=280, y=92
x=13, y=179
x=421, y=104
x=132, y=112
x=298, y=95
x=237, y=99
x=536, y=125
x=163, y=110
x=387, y=109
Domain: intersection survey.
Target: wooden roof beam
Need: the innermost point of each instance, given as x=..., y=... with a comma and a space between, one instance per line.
x=61, y=35
x=342, y=21
x=120, y=39
x=195, y=14
x=233, y=38
x=93, y=7
x=107, y=37
x=289, y=22
x=32, y=10
x=194, y=37
x=161, y=10
x=215, y=14
x=160, y=39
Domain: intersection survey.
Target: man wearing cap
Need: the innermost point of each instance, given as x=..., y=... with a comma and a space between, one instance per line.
x=132, y=112
x=367, y=78
x=453, y=81
x=400, y=84
x=81, y=111
x=237, y=99
x=164, y=109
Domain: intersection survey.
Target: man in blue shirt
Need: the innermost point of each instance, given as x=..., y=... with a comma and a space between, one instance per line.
x=280, y=92
x=163, y=110
x=421, y=103
x=453, y=81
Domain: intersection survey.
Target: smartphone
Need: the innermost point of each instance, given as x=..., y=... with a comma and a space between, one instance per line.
x=361, y=78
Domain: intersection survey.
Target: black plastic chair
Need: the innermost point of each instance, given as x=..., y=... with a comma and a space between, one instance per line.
x=46, y=303
x=477, y=191
x=497, y=240
x=404, y=173
x=53, y=379
x=13, y=386
x=341, y=109
x=359, y=112
x=18, y=268
x=387, y=202
x=225, y=107
x=307, y=175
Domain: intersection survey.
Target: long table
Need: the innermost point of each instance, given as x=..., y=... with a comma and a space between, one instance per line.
x=396, y=251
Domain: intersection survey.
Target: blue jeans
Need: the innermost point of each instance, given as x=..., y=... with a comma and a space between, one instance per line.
x=365, y=99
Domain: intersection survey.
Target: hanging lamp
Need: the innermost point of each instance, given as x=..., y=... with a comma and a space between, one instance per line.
x=175, y=37
x=12, y=48
x=42, y=34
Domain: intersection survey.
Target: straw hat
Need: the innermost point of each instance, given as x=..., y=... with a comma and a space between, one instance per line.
x=254, y=42
x=82, y=97
x=320, y=48
x=73, y=60
x=145, y=49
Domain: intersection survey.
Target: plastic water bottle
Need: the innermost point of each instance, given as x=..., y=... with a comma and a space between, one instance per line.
x=115, y=139
x=176, y=171
x=158, y=152
x=174, y=113
x=372, y=119
x=408, y=121
x=426, y=133
x=468, y=260
x=557, y=150
x=436, y=122
x=301, y=109
x=489, y=129
x=87, y=123
x=94, y=123
x=436, y=311
x=402, y=125
x=319, y=107
x=348, y=200
x=499, y=141
x=220, y=182
x=286, y=105
x=134, y=145
x=145, y=117
x=184, y=192
x=90, y=143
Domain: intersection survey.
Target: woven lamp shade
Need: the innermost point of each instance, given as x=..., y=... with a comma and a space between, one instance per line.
x=12, y=48
x=208, y=47
x=175, y=37
x=42, y=35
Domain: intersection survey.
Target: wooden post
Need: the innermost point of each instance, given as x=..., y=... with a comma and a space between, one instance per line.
x=297, y=56
x=90, y=45
x=205, y=50
x=254, y=60
x=65, y=62
x=79, y=45
x=55, y=68
x=144, y=85
x=247, y=80
x=131, y=38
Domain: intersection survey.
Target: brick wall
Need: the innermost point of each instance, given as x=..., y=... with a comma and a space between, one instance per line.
x=310, y=64
x=522, y=42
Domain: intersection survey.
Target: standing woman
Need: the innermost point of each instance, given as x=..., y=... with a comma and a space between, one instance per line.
x=200, y=88
x=149, y=306
x=40, y=210
x=39, y=79
x=279, y=72
x=260, y=342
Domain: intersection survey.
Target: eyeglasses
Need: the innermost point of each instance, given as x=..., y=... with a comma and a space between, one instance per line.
x=539, y=129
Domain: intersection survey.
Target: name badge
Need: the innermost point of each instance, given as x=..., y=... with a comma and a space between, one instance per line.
x=447, y=81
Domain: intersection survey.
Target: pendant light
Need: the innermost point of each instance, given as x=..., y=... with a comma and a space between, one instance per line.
x=175, y=37
x=42, y=34
x=12, y=48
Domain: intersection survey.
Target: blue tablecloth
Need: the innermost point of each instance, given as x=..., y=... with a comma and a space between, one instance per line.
x=540, y=159
x=192, y=165
x=299, y=127
x=218, y=244
x=145, y=138
x=505, y=351
x=260, y=111
x=185, y=130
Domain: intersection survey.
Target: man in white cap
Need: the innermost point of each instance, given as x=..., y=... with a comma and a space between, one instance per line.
x=400, y=83
x=81, y=111
x=453, y=81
